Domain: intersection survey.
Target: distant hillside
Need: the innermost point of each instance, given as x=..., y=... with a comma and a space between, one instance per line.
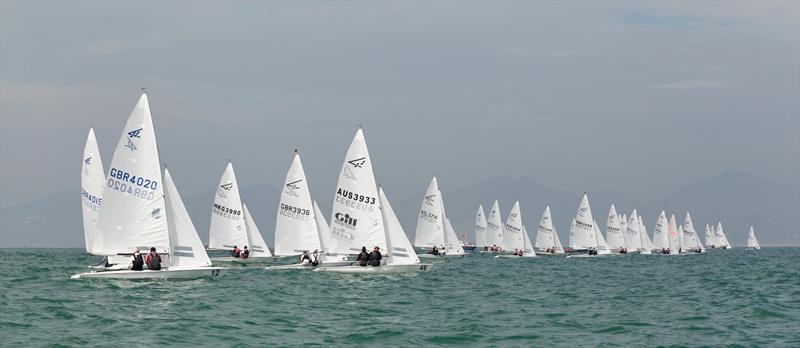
x=737, y=199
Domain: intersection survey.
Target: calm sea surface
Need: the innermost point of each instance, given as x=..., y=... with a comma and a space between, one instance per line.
x=725, y=298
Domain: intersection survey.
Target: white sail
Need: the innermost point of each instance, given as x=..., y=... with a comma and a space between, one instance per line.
x=673, y=226
x=583, y=237
x=258, y=247
x=675, y=237
x=133, y=199
x=512, y=230
x=572, y=232
x=92, y=185
x=559, y=246
x=721, y=239
x=623, y=226
x=399, y=248
x=480, y=228
x=545, y=234
x=494, y=227
x=527, y=250
x=615, y=239
x=185, y=248
x=632, y=238
x=752, y=242
x=661, y=232
x=227, y=228
x=325, y=237
x=452, y=246
x=709, y=237
x=647, y=245
x=295, y=227
x=602, y=246
x=690, y=237
x=430, y=224
x=356, y=218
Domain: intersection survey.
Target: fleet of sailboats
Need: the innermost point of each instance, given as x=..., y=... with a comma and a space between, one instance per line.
x=135, y=205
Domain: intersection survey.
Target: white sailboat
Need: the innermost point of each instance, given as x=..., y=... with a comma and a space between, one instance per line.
x=661, y=235
x=690, y=238
x=92, y=184
x=325, y=257
x=480, y=229
x=527, y=249
x=675, y=236
x=512, y=230
x=227, y=229
x=547, y=242
x=356, y=220
x=623, y=226
x=400, y=257
x=582, y=238
x=430, y=224
x=494, y=229
x=614, y=235
x=752, y=242
x=721, y=238
x=632, y=237
x=647, y=245
x=295, y=226
x=709, y=237
x=135, y=215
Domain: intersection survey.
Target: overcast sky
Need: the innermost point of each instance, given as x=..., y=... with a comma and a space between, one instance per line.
x=636, y=98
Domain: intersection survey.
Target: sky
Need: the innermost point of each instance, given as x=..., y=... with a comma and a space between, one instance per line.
x=638, y=98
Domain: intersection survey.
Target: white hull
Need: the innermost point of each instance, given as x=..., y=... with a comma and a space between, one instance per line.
x=384, y=269
x=513, y=257
x=587, y=255
x=184, y=273
x=544, y=253
x=309, y=266
x=231, y=259
x=116, y=267
x=429, y=256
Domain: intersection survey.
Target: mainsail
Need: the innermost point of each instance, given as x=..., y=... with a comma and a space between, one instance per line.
x=430, y=224
x=133, y=199
x=752, y=242
x=356, y=219
x=616, y=240
x=690, y=238
x=661, y=233
x=295, y=226
x=722, y=240
x=512, y=230
x=632, y=238
x=583, y=237
x=546, y=233
x=480, y=227
x=227, y=228
x=494, y=227
x=92, y=184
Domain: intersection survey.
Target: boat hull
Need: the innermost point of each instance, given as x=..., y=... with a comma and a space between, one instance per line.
x=231, y=259
x=514, y=257
x=384, y=269
x=308, y=266
x=181, y=273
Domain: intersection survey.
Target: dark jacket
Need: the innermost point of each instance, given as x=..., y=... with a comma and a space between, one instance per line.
x=153, y=261
x=138, y=262
x=375, y=258
x=362, y=258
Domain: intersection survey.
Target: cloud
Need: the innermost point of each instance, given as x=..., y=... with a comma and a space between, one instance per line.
x=689, y=84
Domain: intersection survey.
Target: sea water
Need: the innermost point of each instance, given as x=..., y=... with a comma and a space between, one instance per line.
x=724, y=298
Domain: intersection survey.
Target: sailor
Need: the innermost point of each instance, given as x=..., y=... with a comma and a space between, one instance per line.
x=434, y=251
x=363, y=257
x=236, y=252
x=137, y=262
x=153, y=260
x=305, y=259
x=375, y=257
x=245, y=253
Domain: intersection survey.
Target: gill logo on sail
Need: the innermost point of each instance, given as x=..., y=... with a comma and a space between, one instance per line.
x=293, y=186
x=226, y=187
x=133, y=134
x=358, y=162
x=429, y=199
x=87, y=162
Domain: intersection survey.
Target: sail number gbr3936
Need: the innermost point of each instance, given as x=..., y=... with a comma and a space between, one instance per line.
x=131, y=184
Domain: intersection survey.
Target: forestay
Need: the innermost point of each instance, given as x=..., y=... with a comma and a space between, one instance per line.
x=186, y=250
x=356, y=218
x=92, y=184
x=430, y=225
x=295, y=226
x=133, y=199
x=227, y=228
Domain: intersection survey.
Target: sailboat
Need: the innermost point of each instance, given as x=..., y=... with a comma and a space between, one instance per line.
x=752, y=242
x=614, y=236
x=295, y=226
x=709, y=237
x=691, y=241
x=229, y=227
x=356, y=220
x=494, y=229
x=527, y=249
x=602, y=247
x=661, y=235
x=480, y=229
x=400, y=256
x=452, y=246
x=633, y=239
x=721, y=239
x=623, y=226
x=137, y=212
x=324, y=257
x=512, y=230
x=547, y=242
x=582, y=238
x=430, y=223
x=647, y=245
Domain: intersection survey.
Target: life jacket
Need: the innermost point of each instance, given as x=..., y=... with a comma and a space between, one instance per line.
x=138, y=262
x=153, y=262
x=362, y=258
x=236, y=252
x=375, y=258
x=245, y=254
